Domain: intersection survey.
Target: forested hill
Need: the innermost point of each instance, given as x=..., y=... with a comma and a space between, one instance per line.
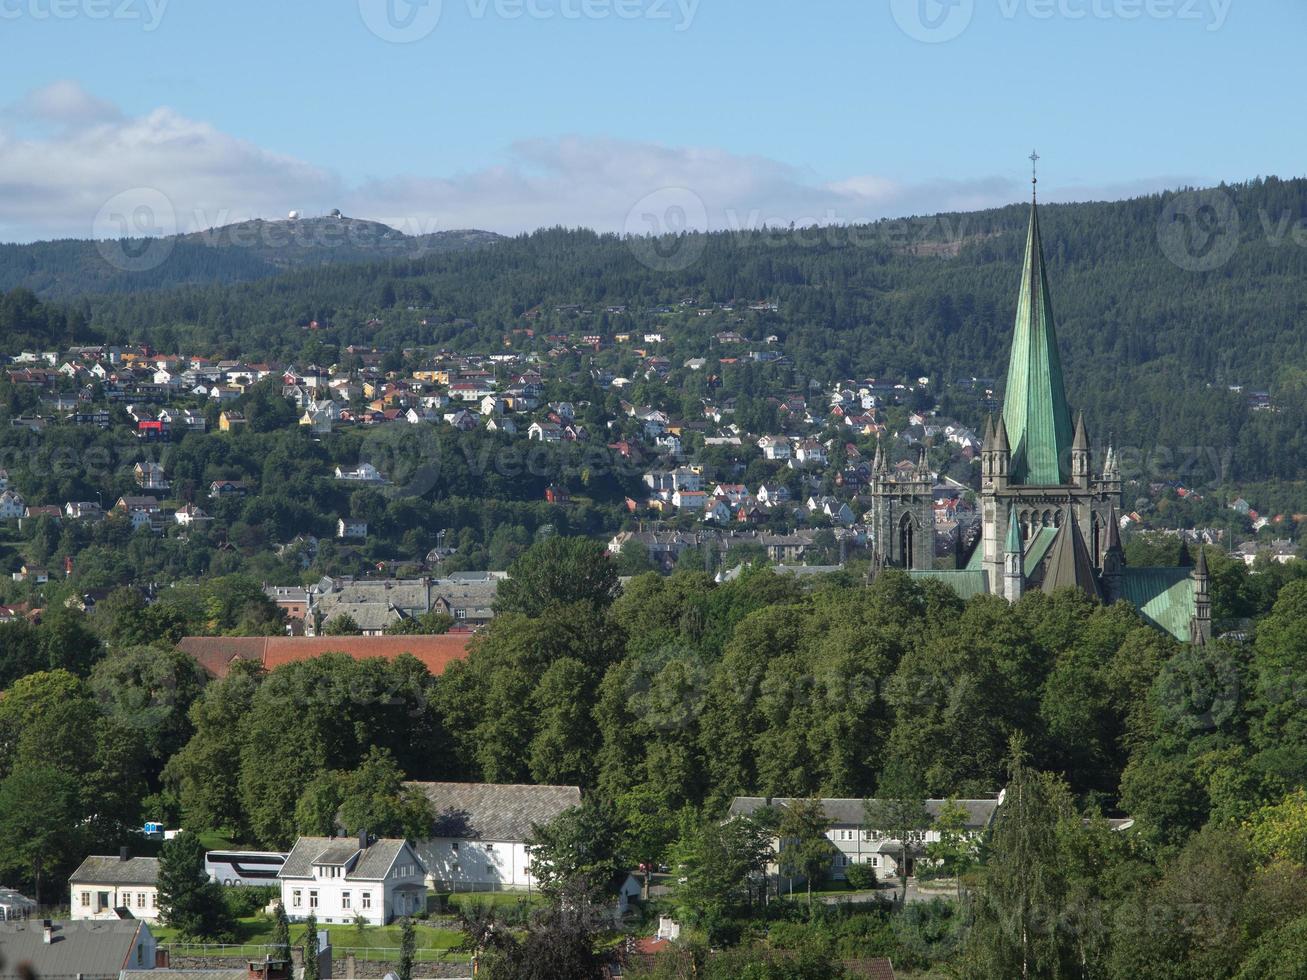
x=1151, y=341
x=236, y=253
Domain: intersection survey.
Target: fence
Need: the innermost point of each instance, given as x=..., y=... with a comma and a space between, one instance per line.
x=244, y=951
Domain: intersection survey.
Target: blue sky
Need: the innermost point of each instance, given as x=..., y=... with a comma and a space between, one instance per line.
x=510, y=114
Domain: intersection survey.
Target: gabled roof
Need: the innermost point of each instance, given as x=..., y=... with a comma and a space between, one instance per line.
x=90, y=950
x=215, y=653
x=494, y=812
x=370, y=864
x=852, y=811
x=1069, y=564
x=115, y=871
x=1034, y=403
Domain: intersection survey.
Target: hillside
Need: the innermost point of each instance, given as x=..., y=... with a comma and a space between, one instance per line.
x=237, y=253
x=1150, y=348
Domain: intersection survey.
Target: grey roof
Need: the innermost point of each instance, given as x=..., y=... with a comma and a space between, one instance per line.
x=242, y=974
x=372, y=863
x=1069, y=564
x=115, y=871
x=92, y=950
x=850, y=812
x=493, y=812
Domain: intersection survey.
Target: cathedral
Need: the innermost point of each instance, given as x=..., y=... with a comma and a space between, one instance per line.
x=1049, y=518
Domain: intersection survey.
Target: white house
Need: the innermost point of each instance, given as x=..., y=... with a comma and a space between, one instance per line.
x=363, y=473
x=774, y=447
x=190, y=515
x=341, y=879
x=854, y=842
x=102, y=885
x=545, y=432
x=351, y=528
x=12, y=505
x=479, y=839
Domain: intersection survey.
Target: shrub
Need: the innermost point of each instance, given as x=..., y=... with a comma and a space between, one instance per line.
x=245, y=902
x=860, y=876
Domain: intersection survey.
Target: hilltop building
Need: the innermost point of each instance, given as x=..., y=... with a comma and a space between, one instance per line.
x=1049, y=517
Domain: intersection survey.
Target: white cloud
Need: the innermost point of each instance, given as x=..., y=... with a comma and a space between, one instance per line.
x=64, y=153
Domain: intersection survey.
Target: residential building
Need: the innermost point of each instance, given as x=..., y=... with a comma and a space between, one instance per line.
x=478, y=842
x=854, y=841
x=101, y=886
x=150, y=476
x=12, y=505
x=344, y=879
x=73, y=949
x=191, y=516
x=351, y=528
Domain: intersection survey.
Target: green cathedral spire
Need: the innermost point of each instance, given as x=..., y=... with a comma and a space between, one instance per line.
x=1034, y=405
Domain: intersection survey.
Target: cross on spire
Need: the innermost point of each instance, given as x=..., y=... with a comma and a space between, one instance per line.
x=1034, y=168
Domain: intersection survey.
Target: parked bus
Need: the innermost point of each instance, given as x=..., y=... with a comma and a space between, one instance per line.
x=237, y=868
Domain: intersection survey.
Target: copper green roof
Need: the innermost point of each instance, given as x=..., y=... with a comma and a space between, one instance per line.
x=1034, y=404
x=1037, y=549
x=1163, y=596
x=965, y=583
x=1013, y=534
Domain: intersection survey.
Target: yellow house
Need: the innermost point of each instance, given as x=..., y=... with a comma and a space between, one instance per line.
x=228, y=421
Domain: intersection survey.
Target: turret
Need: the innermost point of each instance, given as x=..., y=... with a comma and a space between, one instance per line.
x=1002, y=455
x=1080, y=455
x=1200, y=627
x=987, y=452
x=1014, y=579
x=1113, y=559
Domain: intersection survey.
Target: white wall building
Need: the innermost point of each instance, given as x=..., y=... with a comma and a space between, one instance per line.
x=339, y=879
x=102, y=885
x=856, y=843
x=479, y=839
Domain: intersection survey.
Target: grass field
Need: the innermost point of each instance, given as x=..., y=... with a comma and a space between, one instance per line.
x=373, y=942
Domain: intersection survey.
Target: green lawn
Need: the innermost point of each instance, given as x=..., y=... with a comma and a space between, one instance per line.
x=459, y=901
x=255, y=932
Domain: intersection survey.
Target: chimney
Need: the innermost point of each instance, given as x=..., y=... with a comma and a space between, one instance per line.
x=47, y=931
x=363, y=839
x=123, y=854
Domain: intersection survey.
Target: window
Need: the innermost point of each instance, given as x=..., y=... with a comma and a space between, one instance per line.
x=102, y=901
x=295, y=896
x=313, y=898
x=127, y=900
x=454, y=846
x=367, y=900
x=140, y=900
x=875, y=862
x=344, y=900
x=490, y=869
x=86, y=899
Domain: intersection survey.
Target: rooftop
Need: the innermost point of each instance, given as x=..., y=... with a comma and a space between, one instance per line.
x=495, y=812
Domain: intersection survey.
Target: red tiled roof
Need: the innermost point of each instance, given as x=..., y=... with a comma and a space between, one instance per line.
x=216, y=653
